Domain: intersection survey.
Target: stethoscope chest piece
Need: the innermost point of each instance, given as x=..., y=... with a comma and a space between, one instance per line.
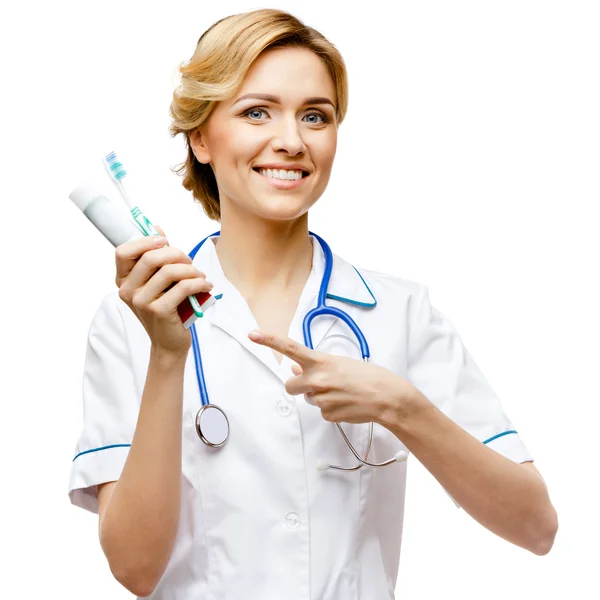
x=212, y=425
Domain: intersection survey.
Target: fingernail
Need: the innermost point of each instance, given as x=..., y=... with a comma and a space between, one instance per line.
x=255, y=336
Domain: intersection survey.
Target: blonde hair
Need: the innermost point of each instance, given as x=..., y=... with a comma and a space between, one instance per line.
x=223, y=56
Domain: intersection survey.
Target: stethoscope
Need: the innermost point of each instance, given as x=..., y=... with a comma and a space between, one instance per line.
x=212, y=424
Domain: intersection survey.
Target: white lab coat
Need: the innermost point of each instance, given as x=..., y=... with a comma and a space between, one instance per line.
x=258, y=520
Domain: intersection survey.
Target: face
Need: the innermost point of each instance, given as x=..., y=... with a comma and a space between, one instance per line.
x=295, y=128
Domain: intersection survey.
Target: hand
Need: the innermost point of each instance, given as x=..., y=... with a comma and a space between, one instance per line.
x=345, y=389
x=153, y=279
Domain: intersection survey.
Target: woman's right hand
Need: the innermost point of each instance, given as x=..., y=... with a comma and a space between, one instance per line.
x=146, y=267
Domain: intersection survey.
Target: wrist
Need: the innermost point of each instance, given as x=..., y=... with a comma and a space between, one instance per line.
x=402, y=406
x=167, y=359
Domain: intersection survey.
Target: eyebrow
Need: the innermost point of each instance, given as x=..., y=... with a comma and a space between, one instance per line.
x=277, y=100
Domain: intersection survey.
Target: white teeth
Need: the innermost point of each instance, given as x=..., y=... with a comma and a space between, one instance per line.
x=281, y=174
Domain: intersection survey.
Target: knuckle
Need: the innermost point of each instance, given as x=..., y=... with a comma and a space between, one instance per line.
x=319, y=382
x=318, y=387
x=291, y=348
x=149, y=259
x=267, y=339
x=136, y=300
x=170, y=270
x=185, y=285
x=154, y=309
x=325, y=413
x=189, y=285
x=119, y=253
x=325, y=405
x=321, y=358
x=174, y=272
x=159, y=257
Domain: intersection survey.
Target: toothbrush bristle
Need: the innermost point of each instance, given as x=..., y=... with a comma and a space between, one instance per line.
x=117, y=170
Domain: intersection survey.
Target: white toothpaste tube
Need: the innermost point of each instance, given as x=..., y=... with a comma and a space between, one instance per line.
x=117, y=228
x=105, y=216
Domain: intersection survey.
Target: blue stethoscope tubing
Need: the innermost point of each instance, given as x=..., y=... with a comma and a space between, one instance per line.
x=218, y=423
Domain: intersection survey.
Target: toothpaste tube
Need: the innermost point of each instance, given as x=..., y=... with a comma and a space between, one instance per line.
x=118, y=229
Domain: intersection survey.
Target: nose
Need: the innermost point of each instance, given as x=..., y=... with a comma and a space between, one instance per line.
x=288, y=137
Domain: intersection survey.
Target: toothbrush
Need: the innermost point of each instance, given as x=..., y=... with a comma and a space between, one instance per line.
x=117, y=173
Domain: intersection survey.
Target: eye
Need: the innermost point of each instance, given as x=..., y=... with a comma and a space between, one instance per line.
x=253, y=110
x=324, y=117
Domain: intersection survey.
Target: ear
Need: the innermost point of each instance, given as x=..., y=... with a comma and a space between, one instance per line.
x=199, y=147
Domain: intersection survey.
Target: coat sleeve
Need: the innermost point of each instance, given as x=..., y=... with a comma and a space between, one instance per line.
x=442, y=368
x=110, y=406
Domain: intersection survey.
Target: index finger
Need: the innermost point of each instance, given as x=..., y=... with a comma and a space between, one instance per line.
x=297, y=352
x=127, y=254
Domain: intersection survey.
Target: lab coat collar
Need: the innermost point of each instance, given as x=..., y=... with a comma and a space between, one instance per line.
x=232, y=314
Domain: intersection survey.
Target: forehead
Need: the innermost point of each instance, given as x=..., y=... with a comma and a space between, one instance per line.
x=291, y=73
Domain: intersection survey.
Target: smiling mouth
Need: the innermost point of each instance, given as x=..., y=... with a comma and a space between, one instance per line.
x=257, y=170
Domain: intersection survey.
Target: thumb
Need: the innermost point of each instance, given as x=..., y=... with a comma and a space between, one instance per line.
x=160, y=230
x=297, y=369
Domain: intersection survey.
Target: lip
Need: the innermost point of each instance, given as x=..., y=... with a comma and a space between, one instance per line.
x=282, y=184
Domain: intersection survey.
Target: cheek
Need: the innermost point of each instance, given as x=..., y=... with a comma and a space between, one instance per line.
x=324, y=152
x=235, y=145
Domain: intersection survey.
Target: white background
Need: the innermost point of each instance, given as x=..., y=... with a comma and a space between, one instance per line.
x=468, y=161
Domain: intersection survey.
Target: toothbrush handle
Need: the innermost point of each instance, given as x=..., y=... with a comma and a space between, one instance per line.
x=143, y=222
x=191, y=309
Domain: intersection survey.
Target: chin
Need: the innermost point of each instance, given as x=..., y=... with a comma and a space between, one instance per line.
x=281, y=208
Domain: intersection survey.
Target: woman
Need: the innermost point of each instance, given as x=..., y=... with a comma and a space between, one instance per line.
x=262, y=99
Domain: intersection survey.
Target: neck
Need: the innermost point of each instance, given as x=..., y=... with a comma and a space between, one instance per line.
x=259, y=256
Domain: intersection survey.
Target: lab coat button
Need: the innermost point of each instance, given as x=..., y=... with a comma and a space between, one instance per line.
x=283, y=408
x=292, y=520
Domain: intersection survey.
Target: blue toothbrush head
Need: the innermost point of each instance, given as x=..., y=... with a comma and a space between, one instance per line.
x=115, y=169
